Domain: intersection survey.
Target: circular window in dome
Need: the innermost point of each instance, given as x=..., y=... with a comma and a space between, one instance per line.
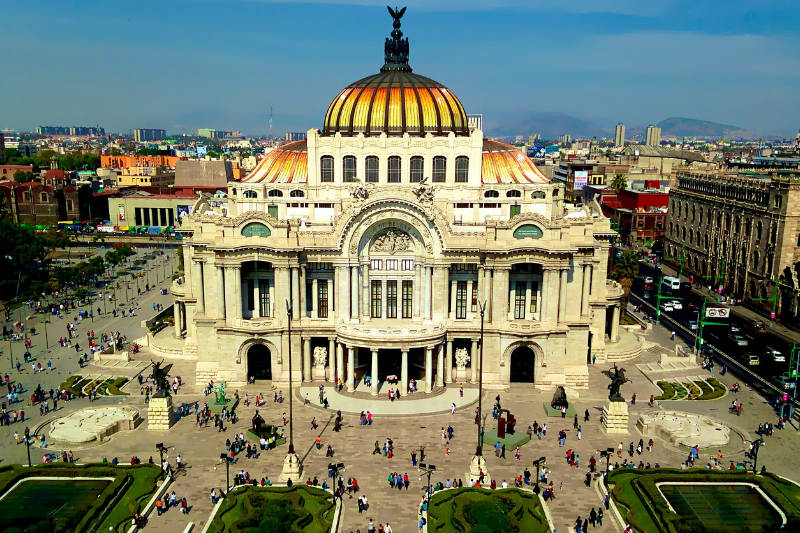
x=256, y=229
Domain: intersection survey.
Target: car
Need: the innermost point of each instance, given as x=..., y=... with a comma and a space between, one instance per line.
x=738, y=340
x=735, y=328
x=677, y=305
x=784, y=382
x=667, y=306
x=752, y=359
x=776, y=355
x=648, y=280
x=693, y=325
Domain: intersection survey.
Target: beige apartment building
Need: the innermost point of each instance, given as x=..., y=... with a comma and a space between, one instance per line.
x=386, y=232
x=740, y=231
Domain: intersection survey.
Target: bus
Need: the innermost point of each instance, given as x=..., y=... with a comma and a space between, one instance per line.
x=671, y=283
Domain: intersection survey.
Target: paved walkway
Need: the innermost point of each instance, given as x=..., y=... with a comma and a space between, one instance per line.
x=414, y=404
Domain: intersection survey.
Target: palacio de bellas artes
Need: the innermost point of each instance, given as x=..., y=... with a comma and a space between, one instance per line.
x=393, y=234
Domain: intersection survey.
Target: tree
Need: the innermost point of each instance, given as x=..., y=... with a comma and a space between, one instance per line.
x=624, y=270
x=619, y=183
x=23, y=176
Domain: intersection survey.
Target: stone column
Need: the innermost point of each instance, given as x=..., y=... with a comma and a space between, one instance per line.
x=374, y=372
x=448, y=365
x=314, y=298
x=615, y=324
x=176, y=311
x=417, y=304
x=257, y=298
x=473, y=361
x=220, y=284
x=428, y=369
x=384, y=299
x=404, y=372
x=440, y=365
x=197, y=288
x=331, y=359
x=440, y=274
x=587, y=283
x=306, y=358
x=351, y=368
x=237, y=289
x=428, y=296
x=303, y=293
x=354, y=288
x=512, y=298
x=453, y=291
x=562, y=295
x=272, y=297
x=550, y=295
x=365, y=296
x=342, y=282
x=340, y=374
x=469, y=299
x=500, y=293
x=282, y=291
x=295, y=292
x=487, y=293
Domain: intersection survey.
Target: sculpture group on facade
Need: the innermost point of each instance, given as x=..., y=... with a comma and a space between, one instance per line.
x=392, y=241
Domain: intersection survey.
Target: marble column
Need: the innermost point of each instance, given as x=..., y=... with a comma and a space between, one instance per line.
x=562, y=295
x=469, y=299
x=365, y=296
x=550, y=295
x=340, y=374
x=500, y=293
x=428, y=296
x=220, y=284
x=197, y=288
x=448, y=365
x=615, y=324
x=453, y=292
x=332, y=359
x=342, y=284
x=256, y=298
x=237, y=290
x=374, y=372
x=314, y=298
x=303, y=293
x=487, y=293
x=417, y=304
x=354, y=289
x=404, y=372
x=473, y=360
x=306, y=358
x=295, y=292
x=176, y=311
x=440, y=365
x=351, y=368
x=428, y=369
x=281, y=289
x=587, y=283
x=512, y=298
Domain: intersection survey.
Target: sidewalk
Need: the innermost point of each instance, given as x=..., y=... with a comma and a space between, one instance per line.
x=419, y=405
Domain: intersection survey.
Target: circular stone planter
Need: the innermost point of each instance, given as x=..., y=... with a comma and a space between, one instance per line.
x=93, y=424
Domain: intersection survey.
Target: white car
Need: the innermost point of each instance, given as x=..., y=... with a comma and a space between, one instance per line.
x=777, y=356
x=676, y=305
x=738, y=340
x=648, y=279
x=667, y=306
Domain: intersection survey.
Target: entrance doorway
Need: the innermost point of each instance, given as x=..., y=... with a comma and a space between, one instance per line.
x=522, y=365
x=259, y=362
x=389, y=364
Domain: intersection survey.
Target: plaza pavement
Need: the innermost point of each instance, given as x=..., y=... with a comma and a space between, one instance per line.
x=200, y=447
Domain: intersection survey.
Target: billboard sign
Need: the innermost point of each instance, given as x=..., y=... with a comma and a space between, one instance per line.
x=718, y=312
x=581, y=179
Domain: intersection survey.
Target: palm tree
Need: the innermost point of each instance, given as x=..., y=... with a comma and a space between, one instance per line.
x=624, y=270
x=619, y=183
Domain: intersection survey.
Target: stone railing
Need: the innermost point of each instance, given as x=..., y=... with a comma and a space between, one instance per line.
x=614, y=290
x=178, y=287
x=389, y=333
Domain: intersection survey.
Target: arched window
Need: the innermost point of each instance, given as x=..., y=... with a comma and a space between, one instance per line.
x=372, y=169
x=462, y=169
x=439, y=168
x=326, y=169
x=759, y=227
x=513, y=194
x=491, y=194
x=349, y=168
x=417, y=168
x=297, y=193
x=755, y=260
x=256, y=229
x=250, y=194
x=537, y=195
x=394, y=169
x=275, y=193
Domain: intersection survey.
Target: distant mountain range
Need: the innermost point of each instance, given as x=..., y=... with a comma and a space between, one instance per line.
x=552, y=124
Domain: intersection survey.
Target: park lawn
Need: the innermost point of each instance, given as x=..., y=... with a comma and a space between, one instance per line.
x=109, y=507
x=479, y=510
x=295, y=509
x=667, y=390
x=642, y=505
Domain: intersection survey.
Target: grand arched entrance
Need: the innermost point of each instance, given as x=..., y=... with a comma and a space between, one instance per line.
x=259, y=362
x=523, y=360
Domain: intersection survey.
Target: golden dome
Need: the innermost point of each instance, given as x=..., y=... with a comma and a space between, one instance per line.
x=396, y=101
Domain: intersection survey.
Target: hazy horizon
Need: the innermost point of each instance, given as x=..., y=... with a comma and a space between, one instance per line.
x=182, y=65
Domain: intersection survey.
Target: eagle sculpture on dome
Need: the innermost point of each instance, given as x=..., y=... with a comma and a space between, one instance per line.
x=396, y=14
x=396, y=48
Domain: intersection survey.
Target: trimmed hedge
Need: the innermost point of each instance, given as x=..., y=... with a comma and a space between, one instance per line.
x=643, y=506
x=474, y=509
x=667, y=390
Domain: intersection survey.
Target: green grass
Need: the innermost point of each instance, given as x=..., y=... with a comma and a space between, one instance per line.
x=680, y=391
x=718, y=390
x=479, y=510
x=106, y=387
x=66, y=506
x=275, y=509
x=706, y=509
x=694, y=390
x=667, y=390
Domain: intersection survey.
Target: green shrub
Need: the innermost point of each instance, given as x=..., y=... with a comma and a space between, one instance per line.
x=667, y=391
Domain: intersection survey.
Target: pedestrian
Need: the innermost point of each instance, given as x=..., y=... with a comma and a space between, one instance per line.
x=633, y=399
x=586, y=416
x=453, y=408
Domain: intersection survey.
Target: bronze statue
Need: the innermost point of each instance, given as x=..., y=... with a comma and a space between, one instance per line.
x=160, y=379
x=617, y=376
x=258, y=424
x=396, y=48
x=559, y=398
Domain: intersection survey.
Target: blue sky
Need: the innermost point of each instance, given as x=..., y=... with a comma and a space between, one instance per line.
x=180, y=64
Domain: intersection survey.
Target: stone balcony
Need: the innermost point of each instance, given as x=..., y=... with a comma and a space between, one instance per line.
x=178, y=287
x=614, y=290
x=389, y=334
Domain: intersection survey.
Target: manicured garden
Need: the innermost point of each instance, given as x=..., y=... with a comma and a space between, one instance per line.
x=691, y=389
x=80, y=386
x=296, y=509
x=474, y=510
x=67, y=505
x=723, y=506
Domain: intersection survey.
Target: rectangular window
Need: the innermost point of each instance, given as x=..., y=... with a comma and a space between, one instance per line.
x=394, y=169
x=372, y=169
x=519, y=300
x=534, y=296
x=408, y=298
x=439, y=169
x=272, y=211
x=375, y=299
x=138, y=216
x=417, y=166
x=407, y=264
x=171, y=214
x=251, y=287
x=146, y=213
x=461, y=299
x=326, y=170
x=391, y=298
x=474, y=297
x=462, y=169
x=263, y=297
x=322, y=298
x=376, y=264
x=349, y=168
x=515, y=210
x=391, y=264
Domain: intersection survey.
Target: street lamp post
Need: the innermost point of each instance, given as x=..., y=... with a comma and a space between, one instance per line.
x=28, y=445
x=757, y=444
x=428, y=469
x=538, y=463
x=224, y=457
x=291, y=421
x=161, y=449
x=607, y=453
x=479, y=421
x=335, y=468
